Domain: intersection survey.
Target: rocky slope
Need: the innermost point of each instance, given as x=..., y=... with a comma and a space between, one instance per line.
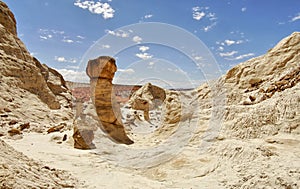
x=33, y=97
x=18, y=171
x=25, y=82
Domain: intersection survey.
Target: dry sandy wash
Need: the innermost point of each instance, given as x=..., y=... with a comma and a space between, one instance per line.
x=240, y=131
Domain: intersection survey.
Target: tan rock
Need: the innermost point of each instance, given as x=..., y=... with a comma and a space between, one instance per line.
x=24, y=126
x=56, y=128
x=26, y=83
x=83, y=138
x=14, y=131
x=7, y=19
x=101, y=72
x=147, y=98
x=20, y=171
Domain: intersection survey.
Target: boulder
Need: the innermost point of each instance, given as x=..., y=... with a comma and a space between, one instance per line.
x=83, y=138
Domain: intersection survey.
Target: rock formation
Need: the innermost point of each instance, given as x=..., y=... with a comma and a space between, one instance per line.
x=32, y=97
x=263, y=92
x=101, y=72
x=83, y=137
x=18, y=171
x=25, y=82
x=147, y=98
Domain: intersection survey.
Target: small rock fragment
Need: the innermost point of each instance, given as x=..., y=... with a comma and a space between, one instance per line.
x=24, y=126
x=14, y=131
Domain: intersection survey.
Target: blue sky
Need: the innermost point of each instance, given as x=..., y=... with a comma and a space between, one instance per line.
x=61, y=33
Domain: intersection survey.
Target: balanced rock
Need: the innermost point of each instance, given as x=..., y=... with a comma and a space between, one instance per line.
x=101, y=72
x=147, y=98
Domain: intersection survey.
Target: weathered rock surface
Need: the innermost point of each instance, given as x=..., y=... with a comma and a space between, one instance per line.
x=263, y=94
x=101, y=72
x=258, y=103
x=83, y=137
x=147, y=98
x=31, y=91
x=18, y=171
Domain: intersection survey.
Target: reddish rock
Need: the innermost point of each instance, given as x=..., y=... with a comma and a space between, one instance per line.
x=56, y=128
x=13, y=122
x=24, y=126
x=14, y=131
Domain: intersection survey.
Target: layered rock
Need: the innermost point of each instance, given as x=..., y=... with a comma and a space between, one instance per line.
x=19, y=171
x=101, y=72
x=85, y=123
x=25, y=82
x=261, y=94
x=147, y=98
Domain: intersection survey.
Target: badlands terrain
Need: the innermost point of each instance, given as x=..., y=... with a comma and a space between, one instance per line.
x=240, y=131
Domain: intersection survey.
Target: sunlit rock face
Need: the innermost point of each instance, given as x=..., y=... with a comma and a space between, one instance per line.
x=31, y=92
x=147, y=98
x=101, y=72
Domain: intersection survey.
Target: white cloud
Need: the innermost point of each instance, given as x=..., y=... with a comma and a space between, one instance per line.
x=211, y=16
x=43, y=37
x=63, y=59
x=228, y=54
x=68, y=41
x=73, y=67
x=105, y=46
x=244, y=9
x=197, y=58
x=103, y=9
x=60, y=59
x=244, y=56
x=195, y=9
x=241, y=56
x=127, y=71
x=209, y=27
x=143, y=48
x=119, y=33
x=198, y=15
x=50, y=33
x=144, y=56
x=57, y=32
x=177, y=71
x=71, y=75
x=137, y=39
x=80, y=37
x=148, y=16
x=230, y=42
x=295, y=18
x=151, y=63
x=221, y=48
x=46, y=34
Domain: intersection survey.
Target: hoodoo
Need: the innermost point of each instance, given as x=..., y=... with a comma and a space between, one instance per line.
x=101, y=72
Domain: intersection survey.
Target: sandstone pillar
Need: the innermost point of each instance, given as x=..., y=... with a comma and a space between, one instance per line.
x=101, y=72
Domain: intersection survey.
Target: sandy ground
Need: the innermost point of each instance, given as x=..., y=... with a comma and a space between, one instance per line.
x=270, y=163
